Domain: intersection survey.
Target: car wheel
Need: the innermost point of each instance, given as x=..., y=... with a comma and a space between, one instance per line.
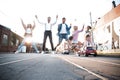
x=95, y=54
x=86, y=54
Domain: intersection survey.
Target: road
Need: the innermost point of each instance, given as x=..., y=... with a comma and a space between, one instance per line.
x=58, y=67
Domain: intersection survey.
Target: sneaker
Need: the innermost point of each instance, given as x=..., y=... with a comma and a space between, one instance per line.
x=16, y=52
x=53, y=52
x=42, y=52
x=38, y=51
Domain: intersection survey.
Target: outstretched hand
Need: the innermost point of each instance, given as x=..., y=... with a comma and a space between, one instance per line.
x=33, y=22
x=83, y=25
x=36, y=16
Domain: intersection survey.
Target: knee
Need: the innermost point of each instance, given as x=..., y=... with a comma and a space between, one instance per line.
x=33, y=44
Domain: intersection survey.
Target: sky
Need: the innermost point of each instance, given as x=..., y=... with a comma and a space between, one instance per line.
x=75, y=11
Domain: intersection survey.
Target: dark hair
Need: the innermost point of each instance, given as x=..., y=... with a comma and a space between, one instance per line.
x=71, y=38
x=63, y=18
x=87, y=36
x=49, y=17
x=89, y=27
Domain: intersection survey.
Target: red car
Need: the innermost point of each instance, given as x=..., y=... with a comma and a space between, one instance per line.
x=89, y=51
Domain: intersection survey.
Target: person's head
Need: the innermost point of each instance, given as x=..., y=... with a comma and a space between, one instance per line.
x=88, y=28
x=75, y=28
x=29, y=26
x=88, y=38
x=49, y=19
x=71, y=38
x=63, y=20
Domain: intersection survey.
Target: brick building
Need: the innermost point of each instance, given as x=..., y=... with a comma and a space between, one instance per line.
x=107, y=30
x=9, y=40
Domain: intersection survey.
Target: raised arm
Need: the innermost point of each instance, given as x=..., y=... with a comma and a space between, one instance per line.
x=93, y=28
x=81, y=29
x=39, y=21
x=23, y=24
x=68, y=28
x=33, y=25
x=55, y=20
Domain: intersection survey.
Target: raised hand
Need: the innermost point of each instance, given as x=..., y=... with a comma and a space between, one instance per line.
x=36, y=16
x=34, y=22
x=23, y=23
x=83, y=25
x=33, y=25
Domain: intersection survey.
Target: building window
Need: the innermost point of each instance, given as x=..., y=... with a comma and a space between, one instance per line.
x=17, y=42
x=5, y=40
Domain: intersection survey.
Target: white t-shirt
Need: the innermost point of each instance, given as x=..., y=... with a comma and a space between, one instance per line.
x=48, y=26
x=63, y=29
x=88, y=44
x=28, y=31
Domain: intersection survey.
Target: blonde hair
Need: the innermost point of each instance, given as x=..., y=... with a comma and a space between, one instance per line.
x=75, y=27
x=29, y=25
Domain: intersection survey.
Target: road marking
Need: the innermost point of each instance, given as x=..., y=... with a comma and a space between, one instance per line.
x=97, y=75
x=15, y=61
x=103, y=61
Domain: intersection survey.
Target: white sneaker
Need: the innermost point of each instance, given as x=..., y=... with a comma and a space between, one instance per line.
x=38, y=51
x=77, y=54
x=53, y=52
x=16, y=52
x=42, y=52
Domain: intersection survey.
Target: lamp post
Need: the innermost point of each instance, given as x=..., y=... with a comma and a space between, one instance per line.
x=91, y=26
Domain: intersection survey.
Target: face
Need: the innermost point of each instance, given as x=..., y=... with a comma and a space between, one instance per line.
x=88, y=38
x=63, y=20
x=88, y=27
x=49, y=19
x=29, y=26
x=75, y=27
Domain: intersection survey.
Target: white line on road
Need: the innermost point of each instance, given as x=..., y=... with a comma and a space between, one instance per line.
x=16, y=61
x=97, y=75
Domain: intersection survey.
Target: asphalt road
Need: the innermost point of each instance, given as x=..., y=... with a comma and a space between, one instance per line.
x=58, y=67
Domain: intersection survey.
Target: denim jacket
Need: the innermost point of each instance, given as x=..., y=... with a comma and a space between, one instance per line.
x=67, y=29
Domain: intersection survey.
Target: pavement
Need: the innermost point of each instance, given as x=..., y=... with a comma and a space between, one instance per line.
x=34, y=66
x=109, y=53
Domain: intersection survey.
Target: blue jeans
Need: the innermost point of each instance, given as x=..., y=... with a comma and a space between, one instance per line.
x=23, y=43
x=63, y=36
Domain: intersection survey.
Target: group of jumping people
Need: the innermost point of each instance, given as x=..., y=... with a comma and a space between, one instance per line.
x=63, y=33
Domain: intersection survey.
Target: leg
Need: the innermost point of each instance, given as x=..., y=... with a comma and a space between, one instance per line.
x=51, y=42
x=20, y=46
x=35, y=47
x=44, y=40
x=66, y=37
x=60, y=40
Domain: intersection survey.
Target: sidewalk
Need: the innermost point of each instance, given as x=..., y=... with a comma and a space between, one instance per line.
x=109, y=53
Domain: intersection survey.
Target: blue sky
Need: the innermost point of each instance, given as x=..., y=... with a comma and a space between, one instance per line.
x=76, y=12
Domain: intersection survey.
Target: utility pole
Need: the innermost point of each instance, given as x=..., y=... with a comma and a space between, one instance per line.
x=91, y=19
x=91, y=26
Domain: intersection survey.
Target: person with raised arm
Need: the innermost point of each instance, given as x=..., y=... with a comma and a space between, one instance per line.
x=28, y=35
x=48, y=32
x=63, y=31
